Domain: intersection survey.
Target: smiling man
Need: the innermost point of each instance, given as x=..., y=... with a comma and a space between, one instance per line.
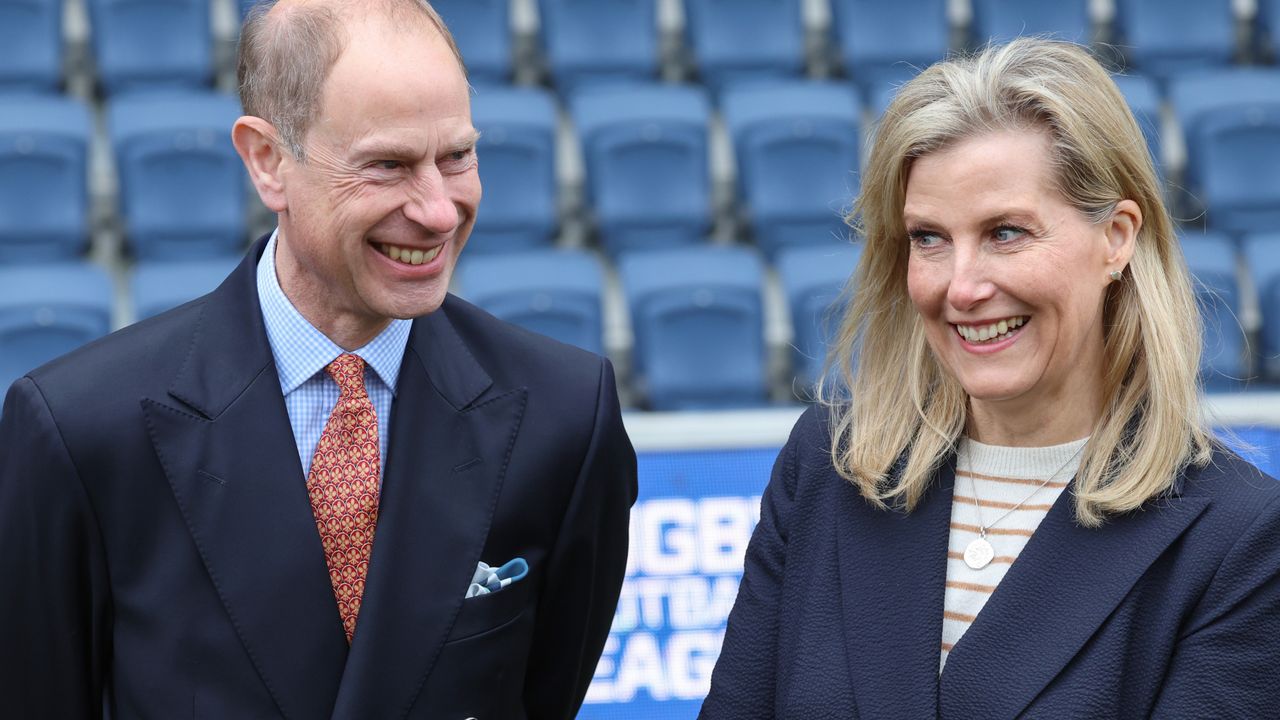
x=328, y=488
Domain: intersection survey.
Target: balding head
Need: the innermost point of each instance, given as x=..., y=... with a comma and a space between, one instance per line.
x=288, y=47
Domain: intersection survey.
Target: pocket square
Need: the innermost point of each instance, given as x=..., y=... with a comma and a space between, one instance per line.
x=492, y=579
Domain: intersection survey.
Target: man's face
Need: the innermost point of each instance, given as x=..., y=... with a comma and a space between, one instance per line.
x=379, y=210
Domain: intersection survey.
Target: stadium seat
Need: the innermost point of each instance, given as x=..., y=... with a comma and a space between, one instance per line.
x=1262, y=257
x=141, y=44
x=47, y=310
x=1212, y=260
x=796, y=146
x=1163, y=38
x=1143, y=97
x=482, y=29
x=182, y=186
x=158, y=286
x=697, y=318
x=44, y=204
x=30, y=45
x=999, y=21
x=648, y=173
x=884, y=43
x=736, y=40
x=600, y=40
x=1267, y=23
x=517, y=152
x=552, y=292
x=812, y=279
x=1231, y=122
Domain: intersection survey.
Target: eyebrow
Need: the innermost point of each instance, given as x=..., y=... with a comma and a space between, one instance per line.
x=397, y=149
x=1018, y=216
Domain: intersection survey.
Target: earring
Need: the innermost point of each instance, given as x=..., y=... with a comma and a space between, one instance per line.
x=1115, y=275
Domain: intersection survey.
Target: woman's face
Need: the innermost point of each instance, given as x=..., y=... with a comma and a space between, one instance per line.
x=1009, y=280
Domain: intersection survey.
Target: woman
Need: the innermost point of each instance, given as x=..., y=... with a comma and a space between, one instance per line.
x=1026, y=390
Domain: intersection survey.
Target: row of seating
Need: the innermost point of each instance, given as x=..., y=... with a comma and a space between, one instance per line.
x=144, y=43
x=696, y=313
x=648, y=176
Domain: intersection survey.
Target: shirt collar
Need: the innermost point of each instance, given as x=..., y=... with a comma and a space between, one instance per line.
x=301, y=350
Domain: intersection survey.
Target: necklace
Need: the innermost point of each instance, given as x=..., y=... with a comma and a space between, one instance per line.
x=979, y=553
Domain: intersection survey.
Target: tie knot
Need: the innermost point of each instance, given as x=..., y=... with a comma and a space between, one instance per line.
x=348, y=371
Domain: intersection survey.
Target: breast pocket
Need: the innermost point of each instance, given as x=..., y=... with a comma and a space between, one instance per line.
x=486, y=613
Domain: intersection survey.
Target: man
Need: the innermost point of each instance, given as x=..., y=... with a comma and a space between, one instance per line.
x=273, y=501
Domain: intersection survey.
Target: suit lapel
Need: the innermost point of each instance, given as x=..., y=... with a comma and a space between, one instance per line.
x=892, y=569
x=447, y=457
x=229, y=454
x=1063, y=586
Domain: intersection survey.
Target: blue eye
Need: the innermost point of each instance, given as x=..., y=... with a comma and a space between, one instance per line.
x=1008, y=233
x=924, y=238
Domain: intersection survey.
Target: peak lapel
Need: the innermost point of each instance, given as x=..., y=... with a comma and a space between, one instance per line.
x=234, y=469
x=436, y=505
x=893, y=567
x=1063, y=586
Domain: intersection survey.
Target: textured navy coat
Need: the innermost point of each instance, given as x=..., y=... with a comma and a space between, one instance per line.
x=1171, y=612
x=158, y=553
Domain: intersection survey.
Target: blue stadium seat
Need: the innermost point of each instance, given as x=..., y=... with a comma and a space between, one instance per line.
x=745, y=39
x=553, y=292
x=1267, y=23
x=48, y=310
x=884, y=43
x=796, y=146
x=697, y=319
x=1143, y=97
x=44, y=204
x=161, y=285
x=182, y=185
x=1163, y=38
x=648, y=174
x=1262, y=257
x=999, y=21
x=151, y=43
x=482, y=29
x=813, y=278
x=30, y=45
x=517, y=152
x=1231, y=122
x=1212, y=259
x=600, y=40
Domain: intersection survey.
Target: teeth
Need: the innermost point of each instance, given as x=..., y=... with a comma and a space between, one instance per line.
x=994, y=331
x=409, y=257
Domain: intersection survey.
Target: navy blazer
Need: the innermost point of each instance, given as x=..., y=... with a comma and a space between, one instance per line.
x=1169, y=612
x=159, y=558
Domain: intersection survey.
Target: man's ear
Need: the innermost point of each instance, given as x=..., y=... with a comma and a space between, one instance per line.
x=255, y=141
x=1122, y=232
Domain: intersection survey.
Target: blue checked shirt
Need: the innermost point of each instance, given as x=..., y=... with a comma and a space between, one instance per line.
x=302, y=352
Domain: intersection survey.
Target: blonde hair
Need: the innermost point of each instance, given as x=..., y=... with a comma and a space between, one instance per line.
x=1151, y=425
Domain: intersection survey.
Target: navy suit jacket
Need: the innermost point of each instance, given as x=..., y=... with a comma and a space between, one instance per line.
x=158, y=555
x=1169, y=612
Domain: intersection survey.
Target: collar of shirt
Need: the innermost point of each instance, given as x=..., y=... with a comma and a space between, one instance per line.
x=301, y=351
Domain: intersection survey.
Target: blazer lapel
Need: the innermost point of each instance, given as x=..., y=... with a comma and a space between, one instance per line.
x=447, y=457
x=229, y=454
x=1062, y=587
x=892, y=568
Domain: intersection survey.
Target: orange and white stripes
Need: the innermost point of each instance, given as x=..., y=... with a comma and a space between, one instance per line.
x=1002, y=476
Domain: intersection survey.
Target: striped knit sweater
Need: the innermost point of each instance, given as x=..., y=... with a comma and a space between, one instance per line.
x=1001, y=476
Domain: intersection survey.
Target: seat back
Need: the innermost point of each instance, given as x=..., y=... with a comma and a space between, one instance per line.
x=31, y=45
x=517, y=169
x=883, y=42
x=999, y=21
x=151, y=43
x=44, y=204
x=746, y=39
x=482, y=30
x=813, y=279
x=1262, y=258
x=1212, y=260
x=1165, y=37
x=590, y=41
x=48, y=310
x=158, y=286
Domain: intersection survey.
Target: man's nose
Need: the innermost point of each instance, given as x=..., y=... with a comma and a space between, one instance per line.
x=971, y=279
x=429, y=204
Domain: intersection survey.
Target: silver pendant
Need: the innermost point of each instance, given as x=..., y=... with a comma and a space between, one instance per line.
x=979, y=553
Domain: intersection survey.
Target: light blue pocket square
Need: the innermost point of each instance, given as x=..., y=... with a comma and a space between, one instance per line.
x=490, y=579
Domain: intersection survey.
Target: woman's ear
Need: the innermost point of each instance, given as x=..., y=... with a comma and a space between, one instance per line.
x=255, y=141
x=1122, y=232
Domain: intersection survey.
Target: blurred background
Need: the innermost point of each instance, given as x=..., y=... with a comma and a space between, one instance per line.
x=665, y=183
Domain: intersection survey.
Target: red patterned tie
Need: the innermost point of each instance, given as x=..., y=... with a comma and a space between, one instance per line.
x=343, y=485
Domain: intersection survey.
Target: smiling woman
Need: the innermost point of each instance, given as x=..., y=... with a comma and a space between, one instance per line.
x=1010, y=505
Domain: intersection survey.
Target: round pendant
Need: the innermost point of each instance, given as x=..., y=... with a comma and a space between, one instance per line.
x=978, y=554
